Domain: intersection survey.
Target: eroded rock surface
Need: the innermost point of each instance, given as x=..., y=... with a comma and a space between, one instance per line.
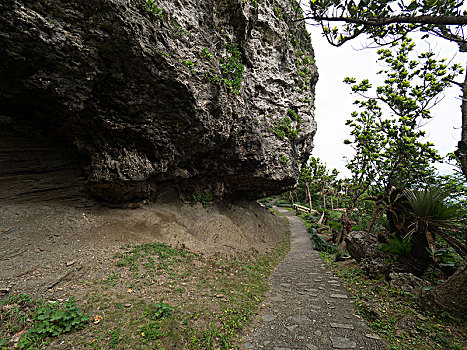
x=142, y=92
x=361, y=244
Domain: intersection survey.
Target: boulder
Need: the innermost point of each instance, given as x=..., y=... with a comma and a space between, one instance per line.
x=213, y=97
x=407, y=283
x=370, y=310
x=376, y=266
x=361, y=244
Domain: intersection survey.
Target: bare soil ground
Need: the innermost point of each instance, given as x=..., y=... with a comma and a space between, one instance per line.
x=49, y=246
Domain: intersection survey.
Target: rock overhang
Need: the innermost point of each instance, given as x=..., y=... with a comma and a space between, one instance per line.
x=150, y=94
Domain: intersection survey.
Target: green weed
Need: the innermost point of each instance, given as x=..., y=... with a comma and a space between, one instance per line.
x=38, y=320
x=152, y=8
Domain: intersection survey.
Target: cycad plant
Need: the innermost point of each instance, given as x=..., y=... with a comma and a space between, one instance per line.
x=429, y=215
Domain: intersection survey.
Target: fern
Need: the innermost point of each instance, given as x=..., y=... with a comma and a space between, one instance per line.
x=398, y=247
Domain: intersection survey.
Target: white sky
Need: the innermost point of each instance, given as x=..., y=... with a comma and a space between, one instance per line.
x=334, y=102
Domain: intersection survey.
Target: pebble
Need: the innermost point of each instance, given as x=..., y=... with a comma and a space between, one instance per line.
x=342, y=343
x=311, y=347
x=341, y=325
x=268, y=318
x=372, y=336
x=278, y=298
x=302, y=320
x=339, y=296
x=70, y=263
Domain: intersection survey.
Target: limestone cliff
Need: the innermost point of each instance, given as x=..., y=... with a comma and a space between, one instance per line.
x=211, y=96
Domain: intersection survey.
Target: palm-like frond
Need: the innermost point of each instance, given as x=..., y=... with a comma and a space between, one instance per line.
x=430, y=205
x=432, y=214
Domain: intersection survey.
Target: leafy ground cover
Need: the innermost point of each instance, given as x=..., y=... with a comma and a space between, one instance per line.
x=30, y=323
x=156, y=297
x=395, y=316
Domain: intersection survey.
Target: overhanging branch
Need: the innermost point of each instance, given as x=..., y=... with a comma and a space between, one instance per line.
x=425, y=19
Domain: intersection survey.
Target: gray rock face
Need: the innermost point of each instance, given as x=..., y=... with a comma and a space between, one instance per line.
x=144, y=92
x=361, y=244
x=408, y=283
x=376, y=266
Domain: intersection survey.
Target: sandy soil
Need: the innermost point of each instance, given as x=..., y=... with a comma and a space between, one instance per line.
x=47, y=247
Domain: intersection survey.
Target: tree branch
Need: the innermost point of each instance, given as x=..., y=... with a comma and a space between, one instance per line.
x=424, y=19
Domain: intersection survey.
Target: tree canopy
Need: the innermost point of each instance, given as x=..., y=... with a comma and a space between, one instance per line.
x=387, y=21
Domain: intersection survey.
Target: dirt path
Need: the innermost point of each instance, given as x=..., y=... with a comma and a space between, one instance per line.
x=308, y=308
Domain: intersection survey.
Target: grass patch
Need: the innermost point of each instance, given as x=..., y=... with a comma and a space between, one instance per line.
x=158, y=297
x=399, y=320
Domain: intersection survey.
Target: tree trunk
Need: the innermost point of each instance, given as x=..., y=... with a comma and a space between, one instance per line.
x=291, y=197
x=346, y=227
x=463, y=158
x=324, y=197
x=373, y=218
x=320, y=221
x=419, y=259
x=451, y=295
x=308, y=194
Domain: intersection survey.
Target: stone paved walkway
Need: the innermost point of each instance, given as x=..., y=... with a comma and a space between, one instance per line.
x=308, y=308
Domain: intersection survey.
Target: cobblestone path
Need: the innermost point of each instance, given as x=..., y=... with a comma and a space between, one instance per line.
x=307, y=307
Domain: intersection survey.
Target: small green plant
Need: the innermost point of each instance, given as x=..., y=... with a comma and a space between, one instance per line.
x=53, y=320
x=53, y=24
x=152, y=8
x=177, y=29
x=277, y=10
x=114, y=338
x=206, y=54
x=442, y=257
x=266, y=200
x=398, y=247
x=294, y=115
x=190, y=65
x=284, y=129
x=204, y=198
x=254, y=2
x=44, y=320
x=284, y=160
x=158, y=311
x=232, y=68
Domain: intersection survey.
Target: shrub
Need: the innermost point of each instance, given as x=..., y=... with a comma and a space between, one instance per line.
x=320, y=244
x=398, y=247
x=204, y=198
